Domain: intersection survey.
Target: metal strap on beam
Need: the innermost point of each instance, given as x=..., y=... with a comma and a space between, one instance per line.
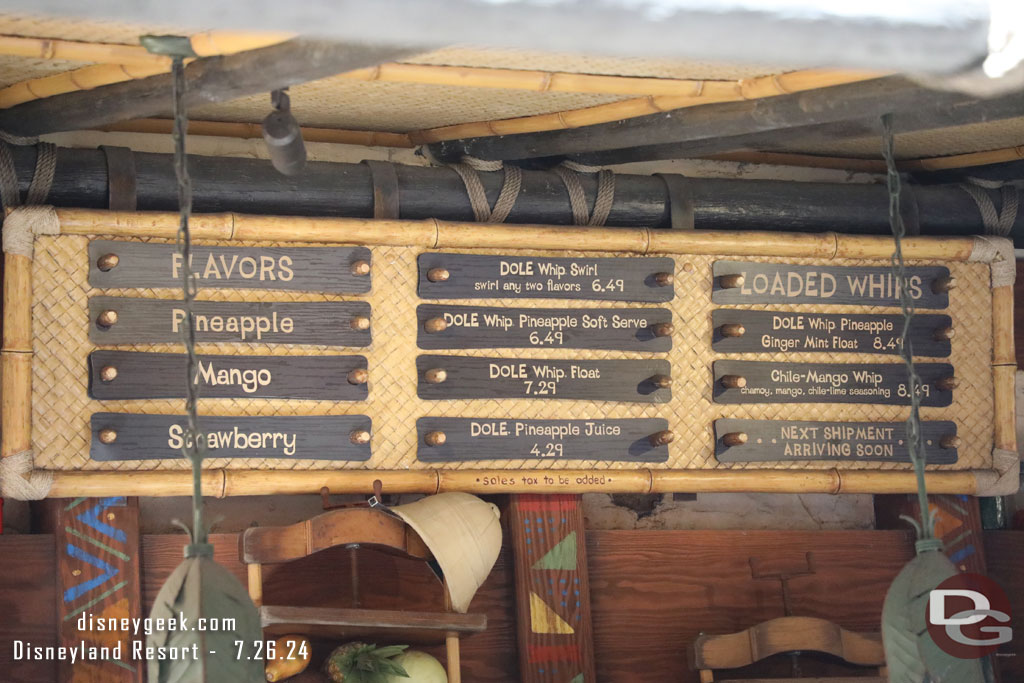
x=680, y=200
x=122, y=191
x=386, y=200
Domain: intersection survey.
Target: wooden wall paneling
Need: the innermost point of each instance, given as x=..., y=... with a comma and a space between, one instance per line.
x=98, y=574
x=957, y=523
x=1004, y=551
x=653, y=592
x=27, y=596
x=552, y=589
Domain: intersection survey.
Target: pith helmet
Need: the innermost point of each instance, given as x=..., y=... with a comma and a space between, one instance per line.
x=464, y=535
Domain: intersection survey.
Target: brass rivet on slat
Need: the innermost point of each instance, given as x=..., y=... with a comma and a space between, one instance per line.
x=434, y=325
x=108, y=373
x=358, y=376
x=435, y=438
x=360, y=268
x=76, y=572
x=947, y=383
x=730, y=281
x=436, y=375
x=662, y=329
x=438, y=274
x=943, y=284
x=108, y=436
x=661, y=381
x=732, y=330
x=944, y=334
x=360, y=322
x=734, y=439
x=950, y=441
x=108, y=262
x=663, y=279
x=107, y=318
x=733, y=381
x=661, y=438
x=359, y=437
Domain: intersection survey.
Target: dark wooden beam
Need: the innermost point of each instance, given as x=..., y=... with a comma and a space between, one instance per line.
x=340, y=189
x=782, y=122
x=215, y=79
x=943, y=111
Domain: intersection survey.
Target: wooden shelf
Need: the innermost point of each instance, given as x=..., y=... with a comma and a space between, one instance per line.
x=418, y=628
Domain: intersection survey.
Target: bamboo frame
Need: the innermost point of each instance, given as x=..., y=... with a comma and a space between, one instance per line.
x=227, y=129
x=371, y=138
x=17, y=389
x=121, y=62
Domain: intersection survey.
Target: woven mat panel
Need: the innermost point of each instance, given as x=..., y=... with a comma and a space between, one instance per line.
x=399, y=107
x=17, y=69
x=61, y=407
x=501, y=58
x=87, y=30
x=941, y=142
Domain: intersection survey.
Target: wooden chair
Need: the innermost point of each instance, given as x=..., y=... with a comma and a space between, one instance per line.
x=351, y=527
x=788, y=634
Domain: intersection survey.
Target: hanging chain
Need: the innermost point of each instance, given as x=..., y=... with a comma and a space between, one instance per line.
x=914, y=444
x=195, y=440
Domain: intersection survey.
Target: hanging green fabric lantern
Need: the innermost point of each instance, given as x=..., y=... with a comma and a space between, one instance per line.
x=199, y=588
x=208, y=625
x=910, y=653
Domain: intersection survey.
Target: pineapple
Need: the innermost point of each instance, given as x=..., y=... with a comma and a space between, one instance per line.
x=362, y=663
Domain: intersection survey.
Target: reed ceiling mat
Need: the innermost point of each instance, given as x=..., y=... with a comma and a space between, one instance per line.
x=61, y=408
x=975, y=137
x=400, y=107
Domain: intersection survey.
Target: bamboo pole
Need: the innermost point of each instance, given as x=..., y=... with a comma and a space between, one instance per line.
x=449, y=235
x=881, y=248
x=740, y=243
x=161, y=483
x=348, y=231
x=1003, y=412
x=204, y=44
x=17, y=298
x=77, y=51
x=241, y=482
x=748, y=480
x=1003, y=352
x=452, y=235
x=16, y=403
x=945, y=481
x=367, y=138
x=545, y=481
x=155, y=483
x=213, y=226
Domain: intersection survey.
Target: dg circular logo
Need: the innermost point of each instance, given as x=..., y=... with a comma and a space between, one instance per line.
x=969, y=616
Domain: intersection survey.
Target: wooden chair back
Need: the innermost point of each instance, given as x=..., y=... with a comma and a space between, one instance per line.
x=346, y=527
x=788, y=634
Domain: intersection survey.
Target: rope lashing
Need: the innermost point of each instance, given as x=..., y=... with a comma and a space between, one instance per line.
x=19, y=481
x=483, y=212
x=568, y=171
x=42, y=177
x=995, y=222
